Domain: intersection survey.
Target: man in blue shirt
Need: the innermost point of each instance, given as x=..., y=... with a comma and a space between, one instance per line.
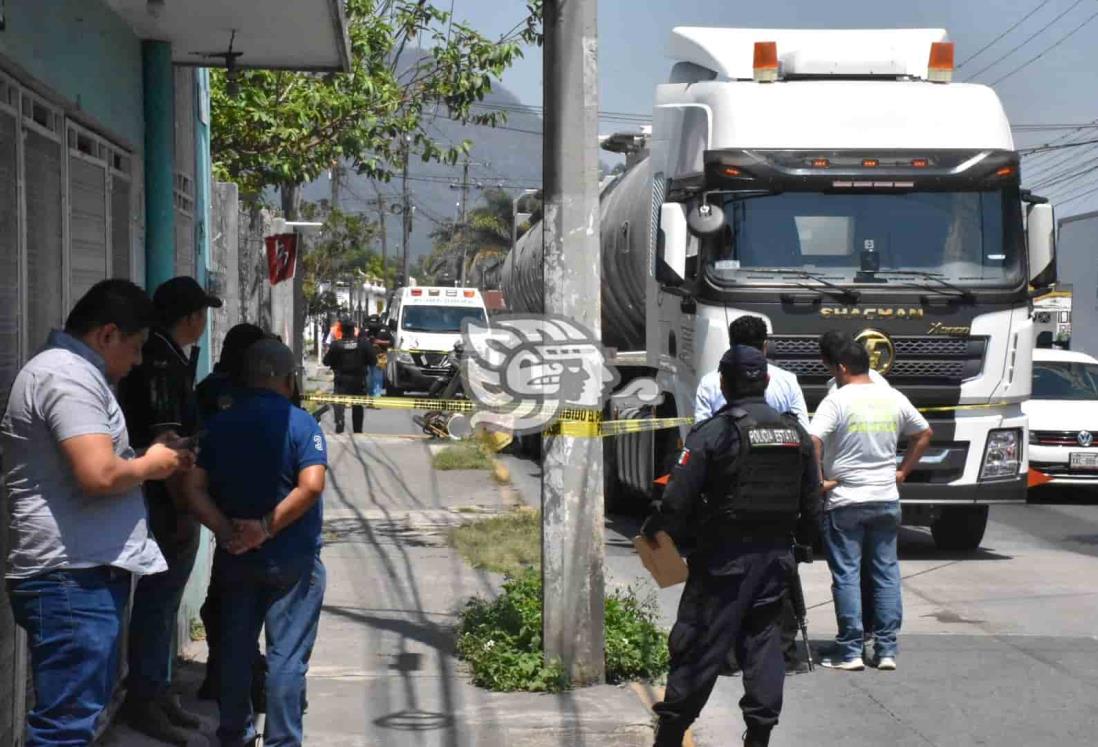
x=257, y=486
x=783, y=393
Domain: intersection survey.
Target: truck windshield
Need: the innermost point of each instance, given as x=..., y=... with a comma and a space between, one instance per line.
x=439, y=318
x=970, y=239
x=1065, y=380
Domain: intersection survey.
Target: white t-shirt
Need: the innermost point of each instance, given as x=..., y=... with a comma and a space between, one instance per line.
x=875, y=377
x=859, y=425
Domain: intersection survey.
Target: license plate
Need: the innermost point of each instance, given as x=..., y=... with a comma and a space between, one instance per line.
x=1084, y=460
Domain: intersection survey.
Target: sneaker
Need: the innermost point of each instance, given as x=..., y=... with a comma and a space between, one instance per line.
x=887, y=663
x=854, y=665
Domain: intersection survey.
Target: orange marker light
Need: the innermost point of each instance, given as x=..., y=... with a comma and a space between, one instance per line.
x=820, y=163
x=1005, y=171
x=1036, y=478
x=920, y=163
x=870, y=163
x=766, y=62
x=731, y=171
x=940, y=68
x=469, y=294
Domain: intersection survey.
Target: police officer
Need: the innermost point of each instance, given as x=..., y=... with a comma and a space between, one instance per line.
x=745, y=483
x=349, y=357
x=157, y=398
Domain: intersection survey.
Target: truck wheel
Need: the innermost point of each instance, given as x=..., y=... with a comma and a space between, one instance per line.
x=614, y=493
x=959, y=527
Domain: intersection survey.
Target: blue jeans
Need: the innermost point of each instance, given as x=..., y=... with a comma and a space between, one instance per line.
x=848, y=532
x=73, y=621
x=286, y=596
x=153, y=621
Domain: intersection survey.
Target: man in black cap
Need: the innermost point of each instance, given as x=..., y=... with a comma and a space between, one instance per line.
x=745, y=484
x=350, y=357
x=157, y=398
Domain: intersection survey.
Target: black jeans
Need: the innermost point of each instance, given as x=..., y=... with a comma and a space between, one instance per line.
x=211, y=620
x=357, y=413
x=740, y=608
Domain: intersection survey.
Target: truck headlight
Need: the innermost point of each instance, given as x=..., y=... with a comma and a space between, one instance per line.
x=403, y=357
x=1003, y=454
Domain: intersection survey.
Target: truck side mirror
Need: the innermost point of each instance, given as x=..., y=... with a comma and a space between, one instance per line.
x=1041, y=240
x=671, y=244
x=705, y=219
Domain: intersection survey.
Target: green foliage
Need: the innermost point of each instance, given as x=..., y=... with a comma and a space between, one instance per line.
x=339, y=253
x=409, y=60
x=507, y=543
x=464, y=455
x=483, y=241
x=501, y=639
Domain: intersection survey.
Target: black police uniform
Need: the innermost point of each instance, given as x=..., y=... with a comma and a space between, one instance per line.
x=746, y=481
x=350, y=358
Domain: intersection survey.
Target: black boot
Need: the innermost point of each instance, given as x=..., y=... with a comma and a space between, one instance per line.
x=149, y=718
x=756, y=737
x=668, y=736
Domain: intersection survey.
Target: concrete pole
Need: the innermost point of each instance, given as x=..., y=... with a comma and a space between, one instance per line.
x=571, y=486
x=405, y=215
x=159, y=95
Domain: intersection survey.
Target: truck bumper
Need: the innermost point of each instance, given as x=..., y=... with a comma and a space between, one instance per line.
x=1000, y=491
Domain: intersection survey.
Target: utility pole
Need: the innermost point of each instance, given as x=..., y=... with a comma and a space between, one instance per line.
x=405, y=213
x=571, y=483
x=462, y=232
x=381, y=215
x=337, y=169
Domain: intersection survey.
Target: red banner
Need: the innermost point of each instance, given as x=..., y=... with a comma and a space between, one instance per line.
x=281, y=257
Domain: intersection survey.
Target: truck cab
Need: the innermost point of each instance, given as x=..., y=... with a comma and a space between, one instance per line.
x=839, y=180
x=426, y=322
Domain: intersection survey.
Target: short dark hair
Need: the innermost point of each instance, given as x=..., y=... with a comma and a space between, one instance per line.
x=831, y=342
x=237, y=341
x=118, y=302
x=347, y=327
x=748, y=330
x=854, y=357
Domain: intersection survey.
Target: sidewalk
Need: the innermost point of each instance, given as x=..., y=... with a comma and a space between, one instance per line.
x=384, y=670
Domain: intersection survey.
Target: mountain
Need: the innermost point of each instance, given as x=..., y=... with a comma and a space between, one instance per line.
x=508, y=156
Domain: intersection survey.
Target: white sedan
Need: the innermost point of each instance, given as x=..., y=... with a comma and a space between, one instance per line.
x=1063, y=418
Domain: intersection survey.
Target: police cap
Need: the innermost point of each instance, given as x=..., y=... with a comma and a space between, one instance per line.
x=743, y=363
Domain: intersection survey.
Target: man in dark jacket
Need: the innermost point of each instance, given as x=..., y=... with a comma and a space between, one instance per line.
x=745, y=483
x=349, y=358
x=157, y=397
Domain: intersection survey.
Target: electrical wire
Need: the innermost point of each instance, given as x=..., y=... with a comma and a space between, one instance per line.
x=1026, y=41
x=1013, y=26
x=1045, y=51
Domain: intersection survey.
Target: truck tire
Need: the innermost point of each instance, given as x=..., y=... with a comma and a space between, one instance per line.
x=959, y=528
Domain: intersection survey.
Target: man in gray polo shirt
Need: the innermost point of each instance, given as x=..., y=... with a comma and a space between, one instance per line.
x=78, y=522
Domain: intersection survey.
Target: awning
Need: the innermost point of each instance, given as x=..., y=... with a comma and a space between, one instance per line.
x=273, y=34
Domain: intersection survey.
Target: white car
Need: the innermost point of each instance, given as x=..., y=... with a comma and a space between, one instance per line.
x=1063, y=417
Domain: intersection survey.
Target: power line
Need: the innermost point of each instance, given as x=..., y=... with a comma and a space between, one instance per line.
x=1076, y=196
x=1046, y=50
x=1026, y=41
x=1042, y=148
x=1015, y=25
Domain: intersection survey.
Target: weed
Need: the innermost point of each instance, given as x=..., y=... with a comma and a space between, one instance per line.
x=504, y=544
x=501, y=639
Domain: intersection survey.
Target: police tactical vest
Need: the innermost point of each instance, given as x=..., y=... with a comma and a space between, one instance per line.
x=766, y=485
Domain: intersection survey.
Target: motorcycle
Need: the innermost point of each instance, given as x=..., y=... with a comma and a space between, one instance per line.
x=436, y=423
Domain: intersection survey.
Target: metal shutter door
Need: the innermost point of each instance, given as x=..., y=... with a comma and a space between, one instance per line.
x=87, y=225
x=42, y=169
x=120, y=228
x=9, y=259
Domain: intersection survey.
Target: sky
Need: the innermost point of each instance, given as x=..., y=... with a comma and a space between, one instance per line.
x=1059, y=87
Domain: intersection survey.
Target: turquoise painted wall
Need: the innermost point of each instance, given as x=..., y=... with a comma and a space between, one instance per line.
x=85, y=53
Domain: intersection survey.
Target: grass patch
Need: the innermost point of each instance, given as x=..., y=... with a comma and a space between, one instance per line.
x=198, y=630
x=504, y=544
x=463, y=455
x=501, y=639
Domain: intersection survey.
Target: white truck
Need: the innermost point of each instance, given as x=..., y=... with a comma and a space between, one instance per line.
x=827, y=179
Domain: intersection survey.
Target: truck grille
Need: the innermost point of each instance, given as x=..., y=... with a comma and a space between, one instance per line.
x=939, y=360
x=1061, y=438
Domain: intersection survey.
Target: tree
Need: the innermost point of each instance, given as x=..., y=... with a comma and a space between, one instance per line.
x=409, y=59
x=340, y=253
x=481, y=243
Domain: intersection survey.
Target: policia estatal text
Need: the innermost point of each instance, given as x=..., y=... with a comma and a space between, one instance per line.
x=745, y=484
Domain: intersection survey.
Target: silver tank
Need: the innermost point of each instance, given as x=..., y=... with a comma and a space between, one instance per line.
x=626, y=224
